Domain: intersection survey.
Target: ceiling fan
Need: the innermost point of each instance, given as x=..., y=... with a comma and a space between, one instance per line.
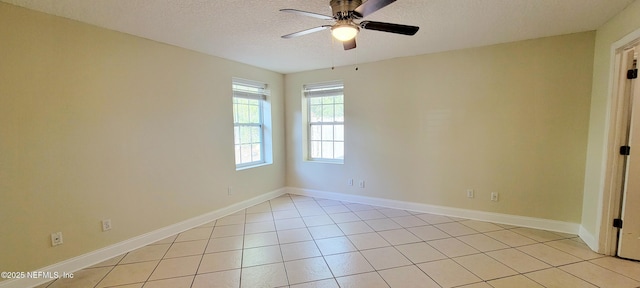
x=345, y=15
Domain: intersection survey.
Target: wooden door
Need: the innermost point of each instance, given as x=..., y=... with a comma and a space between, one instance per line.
x=629, y=234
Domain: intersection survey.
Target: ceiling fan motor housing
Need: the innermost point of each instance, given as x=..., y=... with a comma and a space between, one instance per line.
x=344, y=9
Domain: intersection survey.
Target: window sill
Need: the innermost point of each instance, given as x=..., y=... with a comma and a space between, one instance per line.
x=252, y=166
x=325, y=161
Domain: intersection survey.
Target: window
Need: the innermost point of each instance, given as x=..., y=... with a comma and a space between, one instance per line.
x=325, y=122
x=248, y=122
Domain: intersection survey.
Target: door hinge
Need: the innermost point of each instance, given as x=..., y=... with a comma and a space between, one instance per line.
x=632, y=74
x=625, y=150
x=617, y=223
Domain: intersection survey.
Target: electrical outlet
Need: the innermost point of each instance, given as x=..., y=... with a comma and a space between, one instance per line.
x=361, y=184
x=229, y=191
x=106, y=225
x=470, y=193
x=56, y=238
x=350, y=182
x=494, y=196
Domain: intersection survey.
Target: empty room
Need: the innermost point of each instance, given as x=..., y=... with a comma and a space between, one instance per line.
x=324, y=143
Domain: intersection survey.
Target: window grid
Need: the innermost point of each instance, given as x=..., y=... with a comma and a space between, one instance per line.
x=248, y=128
x=326, y=128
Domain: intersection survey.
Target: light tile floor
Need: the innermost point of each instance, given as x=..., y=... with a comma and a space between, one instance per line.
x=296, y=241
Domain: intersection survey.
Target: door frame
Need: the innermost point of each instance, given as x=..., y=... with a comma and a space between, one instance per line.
x=610, y=198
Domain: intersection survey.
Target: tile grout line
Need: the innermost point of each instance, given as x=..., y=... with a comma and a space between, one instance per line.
x=159, y=261
x=203, y=253
x=335, y=279
x=286, y=273
x=317, y=247
x=297, y=205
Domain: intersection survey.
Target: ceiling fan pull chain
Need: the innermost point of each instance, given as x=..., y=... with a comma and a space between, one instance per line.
x=356, y=58
x=333, y=44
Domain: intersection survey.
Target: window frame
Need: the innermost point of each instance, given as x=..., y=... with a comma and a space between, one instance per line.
x=323, y=91
x=251, y=91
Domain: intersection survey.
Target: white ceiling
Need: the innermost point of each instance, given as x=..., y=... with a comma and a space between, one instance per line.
x=249, y=31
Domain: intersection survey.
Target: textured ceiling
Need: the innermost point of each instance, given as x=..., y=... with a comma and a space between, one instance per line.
x=249, y=31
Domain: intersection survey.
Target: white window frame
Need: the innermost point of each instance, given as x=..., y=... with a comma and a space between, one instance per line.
x=320, y=91
x=252, y=91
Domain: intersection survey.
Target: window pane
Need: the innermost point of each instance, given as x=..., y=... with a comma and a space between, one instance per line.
x=325, y=119
x=245, y=153
x=339, y=112
x=338, y=132
x=315, y=113
x=315, y=149
x=254, y=114
x=238, y=160
x=327, y=150
x=256, y=153
x=235, y=112
x=327, y=132
x=243, y=114
x=316, y=132
x=327, y=113
x=338, y=150
x=239, y=135
x=256, y=136
x=248, y=126
x=245, y=135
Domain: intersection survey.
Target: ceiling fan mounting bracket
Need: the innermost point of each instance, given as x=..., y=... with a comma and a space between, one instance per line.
x=345, y=9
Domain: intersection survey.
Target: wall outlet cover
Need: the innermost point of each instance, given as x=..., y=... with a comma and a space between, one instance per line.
x=470, y=193
x=106, y=225
x=56, y=238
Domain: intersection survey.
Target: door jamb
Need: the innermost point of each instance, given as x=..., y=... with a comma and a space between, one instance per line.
x=610, y=195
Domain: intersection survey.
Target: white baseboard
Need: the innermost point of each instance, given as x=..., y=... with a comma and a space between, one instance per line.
x=588, y=239
x=522, y=221
x=100, y=255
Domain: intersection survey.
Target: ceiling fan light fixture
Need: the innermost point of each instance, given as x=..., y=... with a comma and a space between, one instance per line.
x=344, y=32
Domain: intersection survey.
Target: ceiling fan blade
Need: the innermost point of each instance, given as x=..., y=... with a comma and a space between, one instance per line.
x=305, y=32
x=305, y=13
x=389, y=27
x=348, y=45
x=370, y=6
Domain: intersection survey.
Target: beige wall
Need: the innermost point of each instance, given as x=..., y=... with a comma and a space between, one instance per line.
x=97, y=124
x=510, y=118
x=615, y=29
